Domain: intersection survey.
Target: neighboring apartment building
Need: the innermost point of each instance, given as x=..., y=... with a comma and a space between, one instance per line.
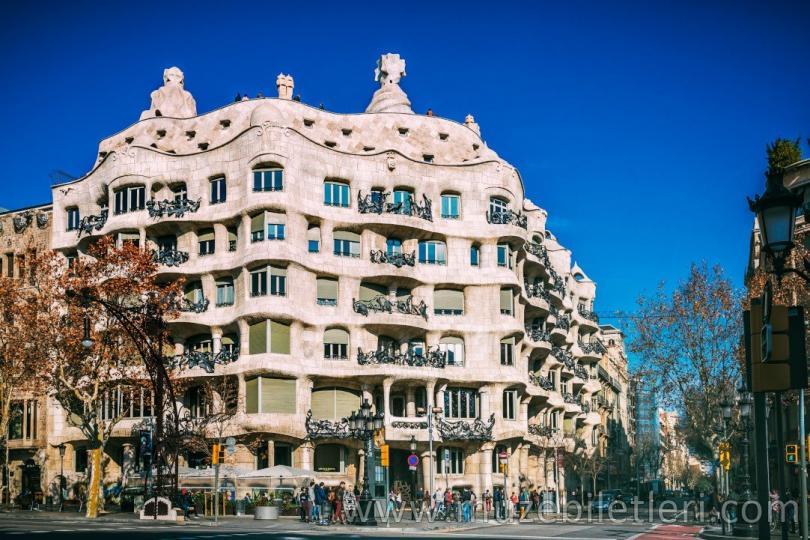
x=22, y=233
x=675, y=458
x=613, y=377
x=647, y=450
x=335, y=258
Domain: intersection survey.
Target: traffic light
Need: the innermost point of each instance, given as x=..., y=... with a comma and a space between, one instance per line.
x=215, y=454
x=775, y=348
x=792, y=453
x=724, y=455
x=384, y=456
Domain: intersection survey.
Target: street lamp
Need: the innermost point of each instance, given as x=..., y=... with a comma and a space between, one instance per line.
x=62, y=449
x=744, y=526
x=776, y=213
x=413, y=474
x=87, y=341
x=431, y=414
x=363, y=424
x=725, y=408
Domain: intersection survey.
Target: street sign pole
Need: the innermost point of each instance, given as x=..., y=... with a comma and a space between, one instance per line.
x=803, y=461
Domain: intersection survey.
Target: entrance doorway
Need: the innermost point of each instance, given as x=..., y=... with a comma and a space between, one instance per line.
x=399, y=473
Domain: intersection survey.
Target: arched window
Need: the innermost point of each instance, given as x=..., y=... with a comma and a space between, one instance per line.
x=193, y=292
x=334, y=403
x=225, y=294
x=498, y=205
x=393, y=246
x=130, y=199
x=507, y=302
x=336, y=344
x=510, y=404
x=508, y=351
x=327, y=291
x=451, y=460
x=200, y=343
x=451, y=205
x=403, y=200
x=313, y=239
x=330, y=458
x=475, y=255
x=205, y=238
x=448, y=302
x=180, y=192
x=453, y=349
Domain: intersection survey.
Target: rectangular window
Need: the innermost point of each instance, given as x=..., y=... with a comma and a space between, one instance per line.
x=507, y=301
x=225, y=293
x=258, y=282
x=336, y=194
x=180, y=193
x=507, y=351
x=233, y=237
x=504, y=255
x=432, y=252
x=510, y=404
x=450, y=206
x=80, y=459
x=257, y=343
x=475, y=256
x=279, y=337
x=451, y=461
x=402, y=201
x=275, y=231
x=268, y=180
x=278, y=281
x=267, y=395
x=460, y=403
x=335, y=351
x=219, y=192
x=313, y=246
x=327, y=291
x=206, y=240
x=257, y=228
x=130, y=199
x=72, y=219
x=346, y=244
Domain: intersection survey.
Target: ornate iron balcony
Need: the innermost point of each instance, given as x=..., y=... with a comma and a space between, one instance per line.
x=586, y=407
x=536, y=290
x=563, y=322
x=541, y=430
x=413, y=424
x=594, y=346
x=557, y=283
x=326, y=429
x=538, y=334
x=570, y=398
x=539, y=380
x=231, y=245
x=377, y=204
x=171, y=208
x=506, y=217
x=538, y=250
x=399, y=260
x=326, y=301
x=580, y=372
x=93, y=222
x=193, y=307
x=564, y=357
x=435, y=358
x=205, y=359
x=383, y=304
x=588, y=314
x=170, y=257
x=461, y=430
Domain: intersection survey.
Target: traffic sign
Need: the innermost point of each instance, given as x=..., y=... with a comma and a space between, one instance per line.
x=413, y=461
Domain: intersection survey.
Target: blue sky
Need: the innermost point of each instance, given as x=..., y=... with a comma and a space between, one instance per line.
x=639, y=126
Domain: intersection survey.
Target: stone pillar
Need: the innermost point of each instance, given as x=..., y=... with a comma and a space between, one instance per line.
x=426, y=460
x=216, y=338
x=410, y=402
x=241, y=395
x=179, y=346
x=430, y=394
x=244, y=232
x=271, y=456
x=524, y=460
x=367, y=394
x=484, y=398
x=387, y=400
x=307, y=456
x=220, y=238
x=127, y=463
x=361, y=467
x=485, y=467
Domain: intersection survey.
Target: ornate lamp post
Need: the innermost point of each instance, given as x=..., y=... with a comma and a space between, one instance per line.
x=725, y=407
x=744, y=526
x=776, y=213
x=413, y=474
x=62, y=449
x=363, y=424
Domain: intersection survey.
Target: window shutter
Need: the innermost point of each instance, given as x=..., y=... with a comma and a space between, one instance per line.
x=346, y=235
x=323, y=403
x=327, y=288
x=193, y=291
x=336, y=335
x=506, y=300
x=448, y=299
x=346, y=401
x=229, y=339
x=370, y=290
x=278, y=270
x=278, y=396
x=314, y=233
x=257, y=223
x=258, y=338
x=279, y=338
x=252, y=395
x=205, y=235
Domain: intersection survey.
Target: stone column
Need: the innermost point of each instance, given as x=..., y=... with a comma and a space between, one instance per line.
x=430, y=394
x=361, y=467
x=244, y=232
x=484, y=398
x=271, y=457
x=179, y=346
x=307, y=456
x=524, y=460
x=410, y=402
x=241, y=395
x=485, y=467
x=387, y=400
x=220, y=238
x=216, y=338
x=426, y=460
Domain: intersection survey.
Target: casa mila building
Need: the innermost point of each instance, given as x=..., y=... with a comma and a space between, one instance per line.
x=329, y=259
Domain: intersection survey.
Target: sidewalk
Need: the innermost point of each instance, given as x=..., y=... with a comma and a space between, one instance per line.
x=715, y=533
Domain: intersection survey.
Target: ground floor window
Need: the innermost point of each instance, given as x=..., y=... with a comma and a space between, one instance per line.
x=330, y=458
x=451, y=461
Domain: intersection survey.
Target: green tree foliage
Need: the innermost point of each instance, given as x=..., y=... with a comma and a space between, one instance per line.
x=783, y=152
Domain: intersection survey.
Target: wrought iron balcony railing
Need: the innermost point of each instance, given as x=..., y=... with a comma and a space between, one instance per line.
x=376, y=203
x=536, y=290
x=172, y=208
x=384, y=304
x=594, y=346
x=91, y=223
x=564, y=357
x=326, y=429
x=231, y=245
x=539, y=380
x=541, y=430
x=461, y=430
x=205, y=359
x=399, y=260
x=580, y=372
x=433, y=357
x=538, y=334
x=571, y=398
x=588, y=314
x=409, y=424
x=170, y=257
x=190, y=306
x=538, y=250
x=507, y=217
x=326, y=301
x=563, y=322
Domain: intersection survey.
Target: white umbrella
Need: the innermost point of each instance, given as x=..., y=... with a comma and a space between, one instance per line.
x=279, y=473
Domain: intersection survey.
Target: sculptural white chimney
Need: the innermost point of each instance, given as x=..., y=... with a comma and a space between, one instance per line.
x=469, y=121
x=285, y=86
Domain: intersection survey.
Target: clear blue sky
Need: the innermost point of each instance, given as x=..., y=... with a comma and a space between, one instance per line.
x=639, y=126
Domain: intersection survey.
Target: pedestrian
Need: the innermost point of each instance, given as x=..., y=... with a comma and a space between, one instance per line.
x=514, y=500
x=339, y=496
x=350, y=504
x=304, y=501
x=390, y=504
x=314, y=511
x=465, y=505
x=487, y=501
x=437, y=499
x=398, y=499
x=535, y=501
x=523, y=499
x=498, y=499
x=790, y=510
x=320, y=502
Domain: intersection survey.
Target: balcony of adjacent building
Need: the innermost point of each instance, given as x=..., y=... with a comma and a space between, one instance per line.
x=589, y=348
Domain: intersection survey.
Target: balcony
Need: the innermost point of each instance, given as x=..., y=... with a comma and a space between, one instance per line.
x=231, y=245
x=536, y=290
x=541, y=430
x=91, y=223
x=434, y=358
x=507, y=217
x=581, y=372
x=539, y=380
x=332, y=302
x=399, y=260
x=172, y=208
x=538, y=250
x=564, y=357
x=205, y=359
x=538, y=334
x=170, y=257
x=461, y=430
x=383, y=304
x=326, y=429
x=377, y=204
x=588, y=314
x=190, y=306
x=593, y=348
x=571, y=399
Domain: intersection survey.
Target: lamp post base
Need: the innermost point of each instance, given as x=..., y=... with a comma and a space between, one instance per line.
x=745, y=530
x=367, y=516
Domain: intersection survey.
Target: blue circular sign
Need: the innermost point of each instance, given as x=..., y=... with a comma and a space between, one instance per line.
x=413, y=460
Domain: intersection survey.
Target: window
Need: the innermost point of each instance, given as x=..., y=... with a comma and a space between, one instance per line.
x=258, y=282
x=507, y=302
x=330, y=458
x=130, y=199
x=225, y=294
x=206, y=240
x=504, y=255
x=275, y=231
x=346, y=244
x=327, y=291
x=475, y=255
x=268, y=180
x=398, y=405
x=497, y=205
x=180, y=192
x=10, y=265
x=166, y=243
x=450, y=206
x=554, y=420
x=80, y=459
x=195, y=401
x=276, y=332
x=257, y=228
x=451, y=461
x=334, y=403
x=460, y=403
x=229, y=343
x=393, y=246
x=314, y=239
x=594, y=437
x=552, y=376
x=201, y=343
x=510, y=404
x=233, y=238
x=72, y=219
x=370, y=291
x=336, y=344
x=336, y=194
x=403, y=200
x=126, y=402
x=448, y=302
x=432, y=252
x=270, y=395
x=282, y=454
x=70, y=258
x=507, y=351
x=278, y=281
x=194, y=292
x=219, y=193
x=453, y=349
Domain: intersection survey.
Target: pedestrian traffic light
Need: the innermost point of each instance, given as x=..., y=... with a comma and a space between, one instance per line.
x=792, y=453
x=384, y=456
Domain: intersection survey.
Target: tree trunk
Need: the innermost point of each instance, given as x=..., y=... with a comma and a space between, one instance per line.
x=93, y=494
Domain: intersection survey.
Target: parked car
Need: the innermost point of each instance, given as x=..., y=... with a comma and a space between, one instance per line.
x=602, y=503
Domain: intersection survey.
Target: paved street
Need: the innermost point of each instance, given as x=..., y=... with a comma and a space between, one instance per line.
x=55, y=526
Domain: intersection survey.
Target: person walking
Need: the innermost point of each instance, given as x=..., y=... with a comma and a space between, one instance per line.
x=465, y=505
x=304, y=501
x=314, y=510
x=513, y=499
x=487, y=502
x=498, y=499
x=350, y=505
x=437, y=500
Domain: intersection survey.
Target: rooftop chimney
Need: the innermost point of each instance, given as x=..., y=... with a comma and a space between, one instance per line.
x=469, y=121
x=285, y=85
